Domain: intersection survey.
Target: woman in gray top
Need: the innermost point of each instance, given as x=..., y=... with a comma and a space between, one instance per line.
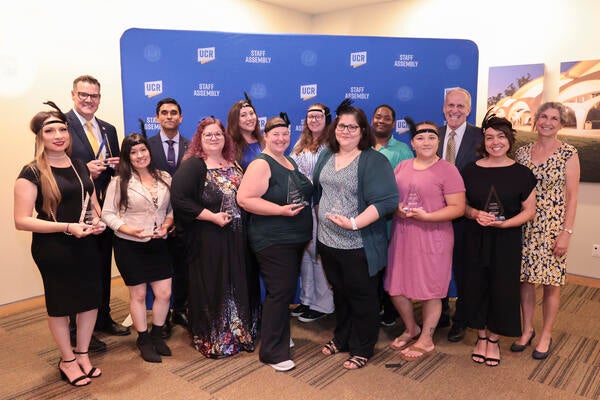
x=354, y=190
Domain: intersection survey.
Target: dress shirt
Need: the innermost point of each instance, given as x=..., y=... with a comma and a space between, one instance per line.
x=163, y=140
x=95, y=131
x=460, y=133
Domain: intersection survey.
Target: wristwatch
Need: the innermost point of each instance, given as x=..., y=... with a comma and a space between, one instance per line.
x=569, y=231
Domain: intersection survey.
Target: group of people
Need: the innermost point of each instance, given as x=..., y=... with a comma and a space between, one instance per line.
x=368, y=225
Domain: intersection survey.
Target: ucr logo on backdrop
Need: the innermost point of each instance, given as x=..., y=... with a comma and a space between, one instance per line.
x=307, y=92
x=358, y=59
x=289, y=73
x=152, y=89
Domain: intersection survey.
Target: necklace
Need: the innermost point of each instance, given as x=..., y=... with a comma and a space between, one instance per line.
x=152, y=188
x=84, y=199
x=212, y=161
x=61, y=157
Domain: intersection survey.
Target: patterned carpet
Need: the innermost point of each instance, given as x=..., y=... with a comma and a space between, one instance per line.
x=572, y=371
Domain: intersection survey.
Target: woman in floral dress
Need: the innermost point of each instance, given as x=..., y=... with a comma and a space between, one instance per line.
x=546, y=238
x=223, y=282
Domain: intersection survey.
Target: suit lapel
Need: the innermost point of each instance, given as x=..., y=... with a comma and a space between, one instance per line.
x=440, y=150
x=81, y=135
x=161, y=158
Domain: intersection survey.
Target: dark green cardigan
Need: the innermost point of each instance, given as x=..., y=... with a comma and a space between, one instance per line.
x=377, y=187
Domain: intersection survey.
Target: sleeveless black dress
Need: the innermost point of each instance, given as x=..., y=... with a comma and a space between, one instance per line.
x=69, y=266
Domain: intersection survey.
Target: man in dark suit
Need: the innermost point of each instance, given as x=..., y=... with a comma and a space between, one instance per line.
x=168, y=148
x=458, y=144
x=95, y=142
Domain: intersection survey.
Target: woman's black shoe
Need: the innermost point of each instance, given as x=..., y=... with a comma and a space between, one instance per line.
x=538, y=355
x=517, y=348
x=158, y=342
x=75, y=381
x=147, y=350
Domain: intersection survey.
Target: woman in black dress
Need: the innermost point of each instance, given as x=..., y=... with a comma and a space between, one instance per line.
x=137, y=208
x=61, y=191
x=500, y=198
x=223, y=281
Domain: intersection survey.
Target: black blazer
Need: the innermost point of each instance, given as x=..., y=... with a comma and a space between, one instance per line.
x=159, y=157
x=81, y=149
x=467, y=152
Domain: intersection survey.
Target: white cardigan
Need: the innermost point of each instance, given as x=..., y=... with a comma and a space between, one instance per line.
x=140, y=212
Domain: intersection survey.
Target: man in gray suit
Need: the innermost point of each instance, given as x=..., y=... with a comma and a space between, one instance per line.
x=458, y=144
x=168, y=148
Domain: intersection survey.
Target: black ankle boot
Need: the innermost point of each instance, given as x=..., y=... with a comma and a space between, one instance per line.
x=158, y=342
x=144, y=343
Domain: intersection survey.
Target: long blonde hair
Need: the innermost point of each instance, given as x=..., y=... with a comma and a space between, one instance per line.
x=51, y=196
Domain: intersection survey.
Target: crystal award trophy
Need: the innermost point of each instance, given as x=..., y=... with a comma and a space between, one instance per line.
x=229, y=205
x=493, y=205
x=294, y=195
x=412, y=200
x=87, y=216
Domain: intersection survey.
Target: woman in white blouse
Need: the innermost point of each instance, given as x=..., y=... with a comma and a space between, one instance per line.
x=137, y=208
x=316, y=297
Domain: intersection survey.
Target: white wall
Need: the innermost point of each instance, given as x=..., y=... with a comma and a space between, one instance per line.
x=43, y=46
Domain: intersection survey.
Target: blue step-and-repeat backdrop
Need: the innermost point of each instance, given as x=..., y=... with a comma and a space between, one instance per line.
x=206, y=72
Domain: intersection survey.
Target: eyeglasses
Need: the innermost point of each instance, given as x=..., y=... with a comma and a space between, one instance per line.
x=343, y=127
x=214, y=135
x=315, y=117
x=83, y=96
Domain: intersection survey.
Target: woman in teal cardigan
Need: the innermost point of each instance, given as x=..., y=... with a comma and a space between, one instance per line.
x=355, y=190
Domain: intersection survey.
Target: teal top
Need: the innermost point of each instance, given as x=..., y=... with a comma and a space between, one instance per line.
x=377, y=187
x=268, y=230
x=396, y=151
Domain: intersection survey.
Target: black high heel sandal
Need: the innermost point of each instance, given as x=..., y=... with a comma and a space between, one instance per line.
x=74, y=382
x=495, y=361
x=479, y=358
x=90, y=373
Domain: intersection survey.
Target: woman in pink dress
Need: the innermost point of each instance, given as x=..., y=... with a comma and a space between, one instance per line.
x=432, y=194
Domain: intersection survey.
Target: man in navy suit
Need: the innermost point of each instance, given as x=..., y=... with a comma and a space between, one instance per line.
x=467, y=137
x=168, y=148
x=95, y=142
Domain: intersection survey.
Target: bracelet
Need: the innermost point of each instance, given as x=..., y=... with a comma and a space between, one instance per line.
x=353, y=222
x=66, y=232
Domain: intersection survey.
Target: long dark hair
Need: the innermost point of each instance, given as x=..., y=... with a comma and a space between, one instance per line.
x=124, y=170
x=233, y=128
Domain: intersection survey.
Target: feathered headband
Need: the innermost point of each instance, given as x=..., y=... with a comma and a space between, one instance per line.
x=492, y=121
x=248, y=102
x=286, y=123
x=61, y=116
x=345, y=106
